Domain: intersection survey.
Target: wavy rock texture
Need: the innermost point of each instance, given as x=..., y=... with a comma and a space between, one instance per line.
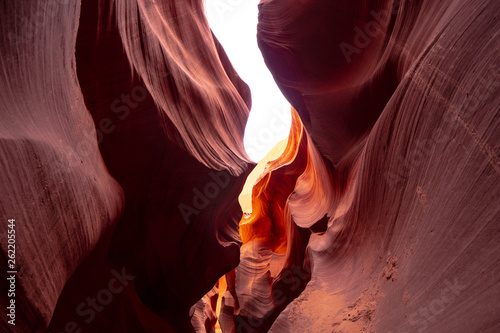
x=408, y=116
x=272, y=269
x=177, y=233
x=122, y=161
x=53, y=179
x=204, y=316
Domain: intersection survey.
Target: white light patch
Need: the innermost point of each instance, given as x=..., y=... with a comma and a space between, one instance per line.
x=234, y=22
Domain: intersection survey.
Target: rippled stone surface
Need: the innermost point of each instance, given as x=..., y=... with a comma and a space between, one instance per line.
x=122, y=157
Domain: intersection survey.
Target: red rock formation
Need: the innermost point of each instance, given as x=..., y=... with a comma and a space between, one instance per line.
x=411, y=244
x=381, y=215
x=272, y=270
x=178, y=228
x=178, y=233
x=54, y=182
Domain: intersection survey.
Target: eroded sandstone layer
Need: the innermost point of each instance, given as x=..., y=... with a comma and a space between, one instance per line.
x=402, y=98
x=122, y=157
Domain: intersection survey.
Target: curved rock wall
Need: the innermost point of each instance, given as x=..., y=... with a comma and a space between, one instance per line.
x=122, y=160
x=413, y=128
x=53, y=179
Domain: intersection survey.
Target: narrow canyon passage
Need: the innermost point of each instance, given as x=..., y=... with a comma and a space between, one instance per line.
x=130, y=174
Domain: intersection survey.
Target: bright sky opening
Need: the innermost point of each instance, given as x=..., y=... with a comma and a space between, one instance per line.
x=234, y=22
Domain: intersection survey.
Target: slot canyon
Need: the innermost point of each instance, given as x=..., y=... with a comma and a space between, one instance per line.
x=131, y=203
